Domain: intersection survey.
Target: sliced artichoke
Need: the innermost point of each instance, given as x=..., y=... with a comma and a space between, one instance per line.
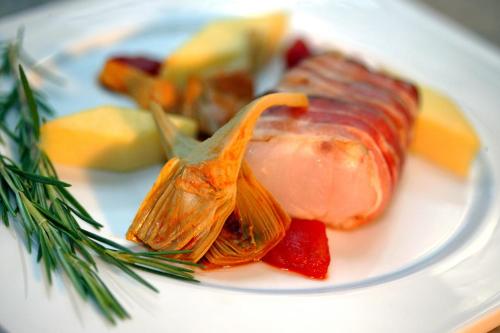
x=197, y=191
x=256, y=225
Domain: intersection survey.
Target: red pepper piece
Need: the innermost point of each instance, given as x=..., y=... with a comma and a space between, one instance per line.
x=297, y=52
x=304, y=249
x=145, y=64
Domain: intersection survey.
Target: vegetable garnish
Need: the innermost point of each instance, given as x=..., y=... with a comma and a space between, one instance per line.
x=297, y=52
x=257, y=223
x=146, y=64
x=194, y=195
x=303, y=250
x=211, y=100
x=32, y=196
x=124, y=78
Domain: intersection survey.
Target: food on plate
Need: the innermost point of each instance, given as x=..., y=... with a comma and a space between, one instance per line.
x=330, y=148
x=303, y=250
x=340, y=161
x=133, y=79
x=443, y=135
x=266, y=33
x=297, y=52
x=213, y=100
x=108, y=138
x=257, y=223
x=209, y=78
x=146, y=64
x=194, y=195
x=337, y=162
x=228, y=45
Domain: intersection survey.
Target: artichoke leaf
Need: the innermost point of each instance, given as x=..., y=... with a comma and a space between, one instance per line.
x=196, y=191
x=256, y=225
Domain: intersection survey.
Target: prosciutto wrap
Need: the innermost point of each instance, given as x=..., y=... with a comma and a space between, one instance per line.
x=339, y=161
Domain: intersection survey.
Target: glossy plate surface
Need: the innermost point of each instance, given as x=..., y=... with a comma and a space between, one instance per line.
x=432, y=263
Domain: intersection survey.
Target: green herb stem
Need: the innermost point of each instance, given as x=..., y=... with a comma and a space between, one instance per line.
x=32, y=195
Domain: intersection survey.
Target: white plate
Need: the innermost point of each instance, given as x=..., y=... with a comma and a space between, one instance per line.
x=431, y=264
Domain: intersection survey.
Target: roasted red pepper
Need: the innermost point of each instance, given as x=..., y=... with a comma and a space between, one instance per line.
x=145, y=64
x=303, y=250
x=297, y=52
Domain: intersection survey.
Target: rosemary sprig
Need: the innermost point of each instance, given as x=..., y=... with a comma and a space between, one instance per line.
x=32, y=195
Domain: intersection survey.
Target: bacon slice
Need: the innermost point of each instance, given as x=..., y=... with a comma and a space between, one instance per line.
x=339, y=161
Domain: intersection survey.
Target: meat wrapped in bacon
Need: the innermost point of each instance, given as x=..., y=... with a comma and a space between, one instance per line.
x=339, y=161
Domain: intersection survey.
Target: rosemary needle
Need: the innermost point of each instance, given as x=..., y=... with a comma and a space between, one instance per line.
x=32, y=195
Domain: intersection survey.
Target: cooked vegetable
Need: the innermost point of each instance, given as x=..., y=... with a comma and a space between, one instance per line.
x=303, y=250
x=212, y=101
x=123, y=77
x=108, y=138
x=340, y=161
x=443, y=134
x=297, y=52
x=257, y=223
x=194, y=195
x=226, y=46
x=147, y=65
